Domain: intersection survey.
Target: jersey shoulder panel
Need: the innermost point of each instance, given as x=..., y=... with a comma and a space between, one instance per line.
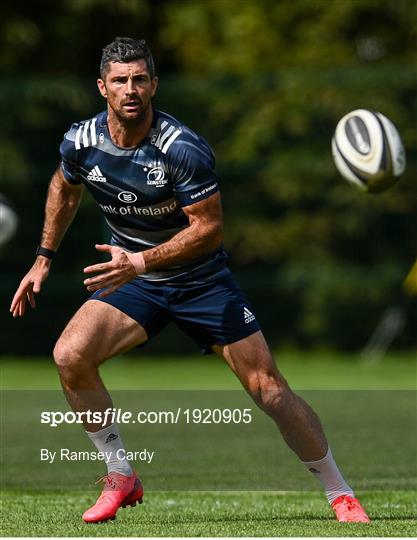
x=173, y=137
x=80, y=135
x=83, y=134
x=189, y=159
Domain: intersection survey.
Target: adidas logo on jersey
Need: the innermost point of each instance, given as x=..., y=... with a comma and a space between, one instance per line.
x=249, y=316
x=95, y=175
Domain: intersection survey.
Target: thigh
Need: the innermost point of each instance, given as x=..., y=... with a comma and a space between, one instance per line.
x=142, y=301
x=98, y=331
x=251, y=360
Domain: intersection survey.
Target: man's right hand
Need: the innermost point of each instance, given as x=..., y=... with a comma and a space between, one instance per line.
x=29, y=286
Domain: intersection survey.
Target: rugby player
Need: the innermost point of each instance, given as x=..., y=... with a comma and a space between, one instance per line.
x=153, y=178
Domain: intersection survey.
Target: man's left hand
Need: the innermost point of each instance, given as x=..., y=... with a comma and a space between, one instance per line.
x=122, y=268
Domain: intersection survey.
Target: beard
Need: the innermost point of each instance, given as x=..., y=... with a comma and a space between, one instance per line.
x=134, y=117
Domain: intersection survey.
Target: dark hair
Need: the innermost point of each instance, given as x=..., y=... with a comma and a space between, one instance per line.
x=125, y=49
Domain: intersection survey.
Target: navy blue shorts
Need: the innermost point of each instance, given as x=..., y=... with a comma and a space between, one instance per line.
x=211, y=312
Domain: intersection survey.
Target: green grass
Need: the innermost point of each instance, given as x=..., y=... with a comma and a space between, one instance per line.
x=383, y=474
x=208, y=514
x=309, y=371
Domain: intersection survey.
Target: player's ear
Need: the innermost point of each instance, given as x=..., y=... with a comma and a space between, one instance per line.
x=154, y=83
x=102, y=87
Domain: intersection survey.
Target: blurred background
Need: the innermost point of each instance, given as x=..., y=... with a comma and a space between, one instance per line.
x=265, y=82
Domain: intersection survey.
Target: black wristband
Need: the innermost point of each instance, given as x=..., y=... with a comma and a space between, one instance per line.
x=48, y=253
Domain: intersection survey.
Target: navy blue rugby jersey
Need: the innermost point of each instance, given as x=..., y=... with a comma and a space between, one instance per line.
x=141, y=191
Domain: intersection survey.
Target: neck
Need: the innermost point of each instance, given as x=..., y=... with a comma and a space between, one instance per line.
x=128, y=134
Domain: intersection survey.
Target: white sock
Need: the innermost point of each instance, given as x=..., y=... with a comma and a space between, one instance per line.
x=109, y=441
x=327, y=472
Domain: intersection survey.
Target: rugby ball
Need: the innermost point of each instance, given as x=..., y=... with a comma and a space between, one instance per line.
x=368, y=151
x=8, y=221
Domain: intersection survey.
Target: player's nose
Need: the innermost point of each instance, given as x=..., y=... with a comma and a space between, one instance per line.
x=130, y=87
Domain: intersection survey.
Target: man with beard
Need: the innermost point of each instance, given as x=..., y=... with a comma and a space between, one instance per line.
x=153, y=179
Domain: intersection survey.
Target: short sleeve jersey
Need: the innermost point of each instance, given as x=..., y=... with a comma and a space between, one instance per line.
x=141, y=191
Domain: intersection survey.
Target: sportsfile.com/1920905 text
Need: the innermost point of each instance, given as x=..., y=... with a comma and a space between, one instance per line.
x=176, y=416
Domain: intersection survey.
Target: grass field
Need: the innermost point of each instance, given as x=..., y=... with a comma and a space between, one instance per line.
x=209, y=514
x=308, y=371
x=380, y=406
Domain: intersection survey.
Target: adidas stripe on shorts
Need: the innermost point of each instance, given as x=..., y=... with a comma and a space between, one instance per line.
x=212, y=311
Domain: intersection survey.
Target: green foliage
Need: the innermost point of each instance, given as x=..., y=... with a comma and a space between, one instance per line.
x=277, y=77
x=265, y=82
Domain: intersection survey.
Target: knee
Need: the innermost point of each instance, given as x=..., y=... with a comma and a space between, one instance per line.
x=269, y=390
x=70, y=361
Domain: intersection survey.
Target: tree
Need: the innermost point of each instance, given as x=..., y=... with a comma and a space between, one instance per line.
x=266, y=82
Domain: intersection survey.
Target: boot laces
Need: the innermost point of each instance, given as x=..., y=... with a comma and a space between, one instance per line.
x=351, y=505
x=109, y=485
x=108, y=481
